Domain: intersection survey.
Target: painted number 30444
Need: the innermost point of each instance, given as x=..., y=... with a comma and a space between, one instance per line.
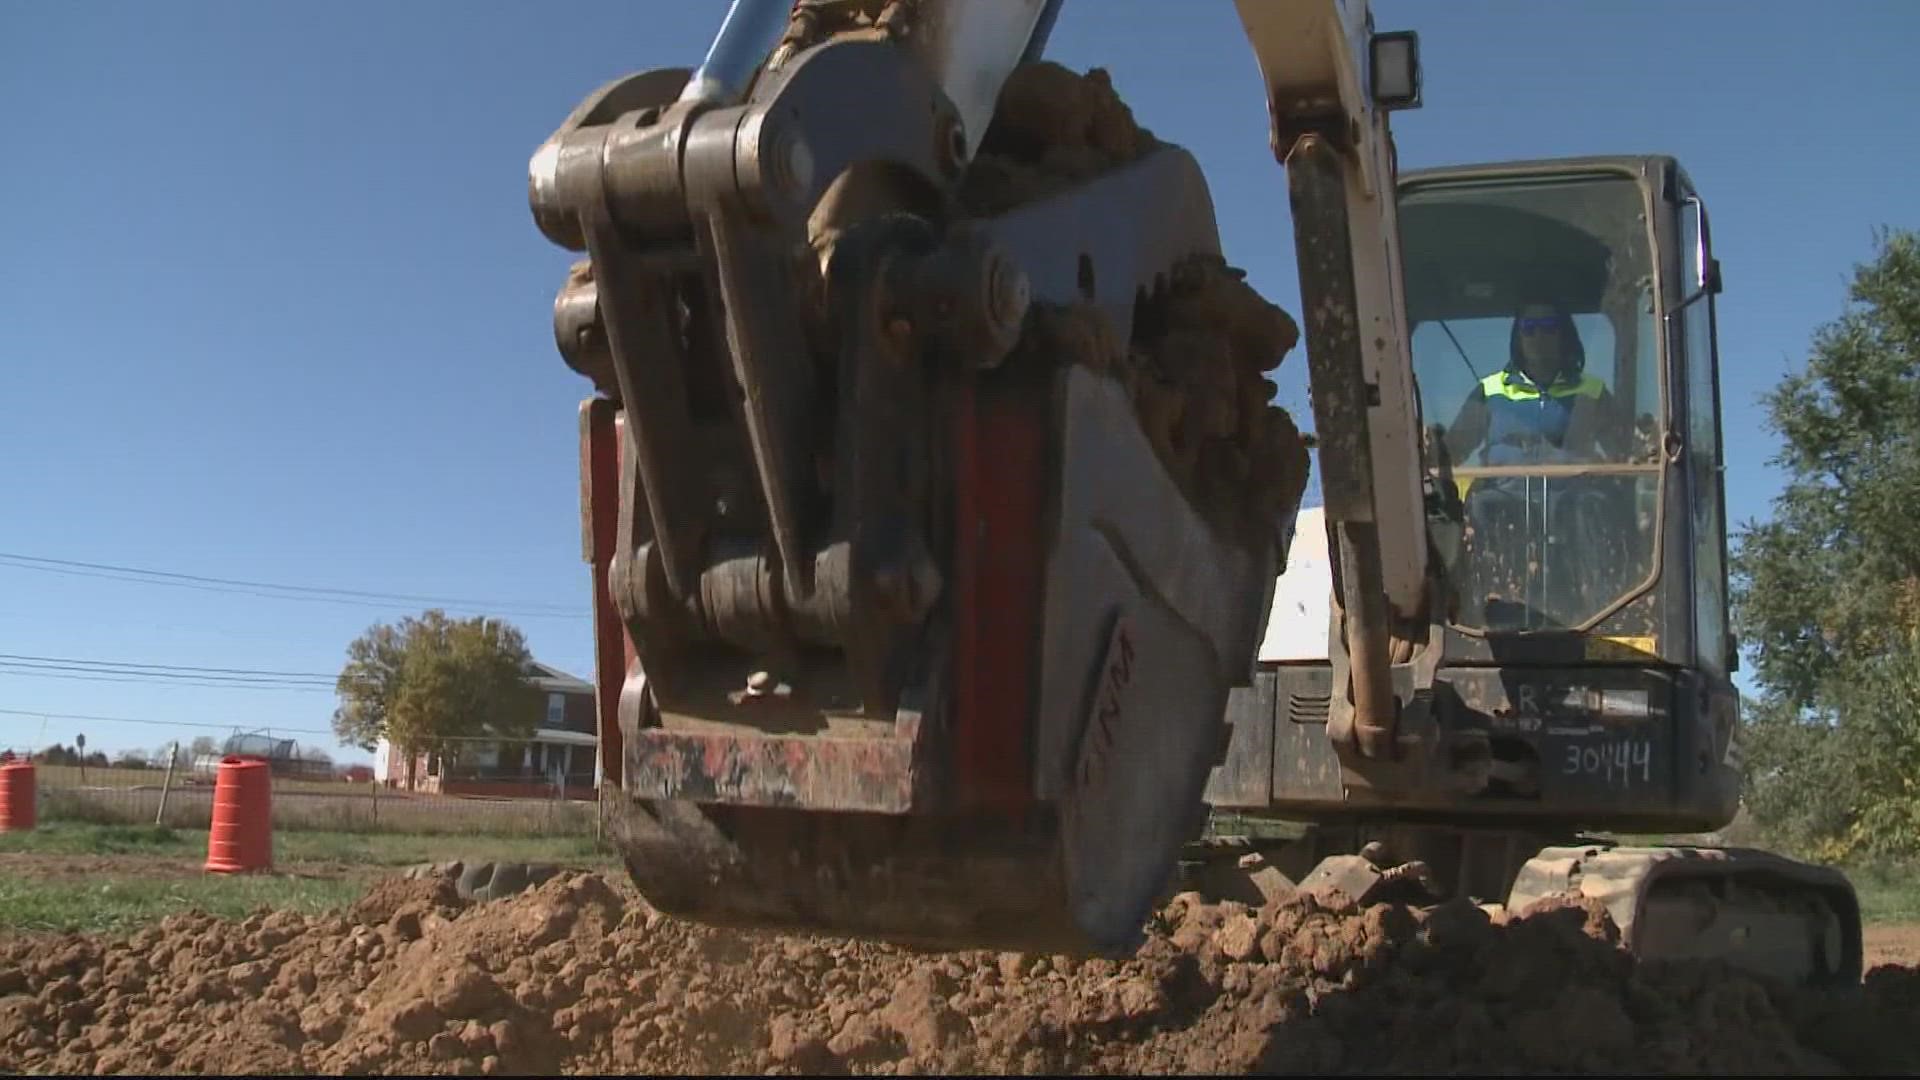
x=1619, y=761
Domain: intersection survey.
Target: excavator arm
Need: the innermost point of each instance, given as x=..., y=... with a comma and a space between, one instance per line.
x=1331, y=84
x=932, y=490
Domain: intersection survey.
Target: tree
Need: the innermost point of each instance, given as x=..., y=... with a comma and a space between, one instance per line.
x=1827, y=592
x=430, y=680
x=202, y=746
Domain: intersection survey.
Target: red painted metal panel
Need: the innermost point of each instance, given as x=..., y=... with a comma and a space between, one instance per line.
x=1000, y=554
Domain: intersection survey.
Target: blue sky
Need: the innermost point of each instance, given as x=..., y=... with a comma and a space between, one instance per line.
x=272, y=306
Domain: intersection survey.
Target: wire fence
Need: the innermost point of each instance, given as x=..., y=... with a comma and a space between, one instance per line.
x=179, y=793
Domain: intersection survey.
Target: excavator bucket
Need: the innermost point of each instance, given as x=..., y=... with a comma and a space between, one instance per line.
x=933, y=507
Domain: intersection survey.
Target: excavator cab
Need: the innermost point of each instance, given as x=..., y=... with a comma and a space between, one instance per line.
x=1570, y=665
x=1594, y=506
x=1563, y=350
x=1538, y=362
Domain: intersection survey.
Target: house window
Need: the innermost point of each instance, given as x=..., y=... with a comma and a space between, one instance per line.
x=556, y=710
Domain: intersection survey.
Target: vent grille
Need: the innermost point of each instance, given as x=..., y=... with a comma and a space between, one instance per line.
x=1308, y=708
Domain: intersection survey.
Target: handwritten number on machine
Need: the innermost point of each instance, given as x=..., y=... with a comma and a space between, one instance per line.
x=1616, y=761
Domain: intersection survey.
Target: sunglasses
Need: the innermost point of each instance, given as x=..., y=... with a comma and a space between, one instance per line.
x=1540, y=324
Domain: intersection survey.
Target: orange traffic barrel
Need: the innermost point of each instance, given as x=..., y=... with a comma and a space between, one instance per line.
x=242, y=835
x=16, y=796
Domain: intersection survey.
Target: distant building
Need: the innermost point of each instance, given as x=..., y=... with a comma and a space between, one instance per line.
x=561, y=755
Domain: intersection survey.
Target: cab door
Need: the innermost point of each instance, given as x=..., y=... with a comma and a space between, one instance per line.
x=1693, y=332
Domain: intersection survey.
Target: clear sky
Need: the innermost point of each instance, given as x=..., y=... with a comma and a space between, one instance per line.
x=272, y=307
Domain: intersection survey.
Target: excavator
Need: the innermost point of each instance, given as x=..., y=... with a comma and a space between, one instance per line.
x=951, y=578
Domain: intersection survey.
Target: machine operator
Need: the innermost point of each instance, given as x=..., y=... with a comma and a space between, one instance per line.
x=1542, y=408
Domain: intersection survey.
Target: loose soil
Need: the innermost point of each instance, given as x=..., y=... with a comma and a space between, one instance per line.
x=580, y=976
x=1893, y=943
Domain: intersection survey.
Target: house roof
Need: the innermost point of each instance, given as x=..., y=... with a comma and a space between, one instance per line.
x=548, y=677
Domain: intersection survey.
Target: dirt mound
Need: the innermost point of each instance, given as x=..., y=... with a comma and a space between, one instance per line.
x=580, y=976
x=416, y=893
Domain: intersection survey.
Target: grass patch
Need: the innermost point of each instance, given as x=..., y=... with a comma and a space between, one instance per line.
x=313, y=872
x=67, y=839
x=294, y=848
x=117, y=904
x=401, y=849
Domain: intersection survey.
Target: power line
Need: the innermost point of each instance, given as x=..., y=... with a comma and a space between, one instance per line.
x=156, y=723
x=165, y=667
x=162, y=675
x=272, y=728
x=346, y=601
x=274, y=590
x=318, y=589
x=104, y=677
x=77, y=669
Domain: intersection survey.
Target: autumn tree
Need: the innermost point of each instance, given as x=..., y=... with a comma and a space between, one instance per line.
x=1827, y=592
x=432, y=683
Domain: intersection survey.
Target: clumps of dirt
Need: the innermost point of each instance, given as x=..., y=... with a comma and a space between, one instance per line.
x=418, y=895
x=581, y=976
x=1203, y=341
x=1052, y=128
